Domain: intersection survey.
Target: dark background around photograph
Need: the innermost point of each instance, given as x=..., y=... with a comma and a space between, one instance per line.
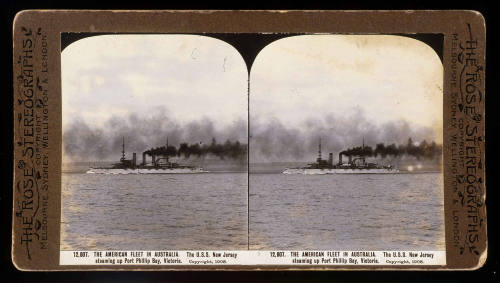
x=488, y=273
x=249, y=45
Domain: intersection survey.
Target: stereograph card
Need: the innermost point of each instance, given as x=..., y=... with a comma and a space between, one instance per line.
x=249, y=140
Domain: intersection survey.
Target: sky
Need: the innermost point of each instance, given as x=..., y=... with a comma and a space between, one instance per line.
x=387, y=77
x=190, y=77
x=341, y=88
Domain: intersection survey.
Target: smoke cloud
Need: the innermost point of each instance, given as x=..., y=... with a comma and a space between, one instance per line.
x=87, y=142
x=273, y=140
x=270, y=141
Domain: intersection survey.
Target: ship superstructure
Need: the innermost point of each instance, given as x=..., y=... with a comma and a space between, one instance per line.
x=160, y=164
x=356, y=164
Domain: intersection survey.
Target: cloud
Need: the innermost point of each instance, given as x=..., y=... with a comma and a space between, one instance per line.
x=109, y=75
x=83, y=141
x=390, y=78
x=272, y=140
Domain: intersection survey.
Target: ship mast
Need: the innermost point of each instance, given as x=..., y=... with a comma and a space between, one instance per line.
x=319, y=149
x=123, y=148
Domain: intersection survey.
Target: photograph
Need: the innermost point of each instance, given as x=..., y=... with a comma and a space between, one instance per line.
x=249, y=140
x=346, y=135
x=154, y=143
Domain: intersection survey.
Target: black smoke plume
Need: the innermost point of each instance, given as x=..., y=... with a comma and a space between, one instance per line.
x=233, y=150
x=423, y=150
x=83, y=141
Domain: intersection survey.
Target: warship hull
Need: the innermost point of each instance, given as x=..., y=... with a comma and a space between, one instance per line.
x=311, y=171
x=113, y=171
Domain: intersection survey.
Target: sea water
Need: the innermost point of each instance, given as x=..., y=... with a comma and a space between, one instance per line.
x=152, y=212
x=347, y=212
x=288, y=212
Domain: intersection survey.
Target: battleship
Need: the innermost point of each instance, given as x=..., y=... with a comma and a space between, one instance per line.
x=158, y=165
x=355, y=165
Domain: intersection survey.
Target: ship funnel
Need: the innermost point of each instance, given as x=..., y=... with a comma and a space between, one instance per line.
x=340, y=158
x=330, y=158
x=134, y=160
x=143, y=158
x=153, y=159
